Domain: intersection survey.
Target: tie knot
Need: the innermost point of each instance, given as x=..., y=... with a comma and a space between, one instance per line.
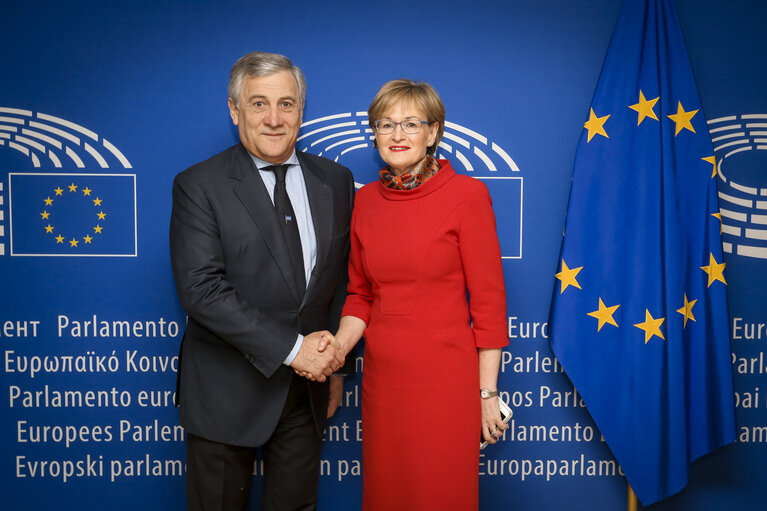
x=279, y=171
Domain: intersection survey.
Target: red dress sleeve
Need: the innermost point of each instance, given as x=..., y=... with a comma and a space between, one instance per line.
x=359, y=296
x=481, y=258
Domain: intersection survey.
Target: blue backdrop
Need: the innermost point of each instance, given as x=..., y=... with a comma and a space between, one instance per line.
x=106, y=102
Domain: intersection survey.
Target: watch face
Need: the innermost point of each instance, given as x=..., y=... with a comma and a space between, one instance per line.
x=484, y=393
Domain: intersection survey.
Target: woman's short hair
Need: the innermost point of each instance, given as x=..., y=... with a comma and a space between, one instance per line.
x=258, y=63
x=421, y=94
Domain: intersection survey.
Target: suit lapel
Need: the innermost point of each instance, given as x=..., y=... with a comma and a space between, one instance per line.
x=321, y=204
x=251, y=191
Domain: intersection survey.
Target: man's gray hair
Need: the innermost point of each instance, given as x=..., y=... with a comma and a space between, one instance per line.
x=258, y=63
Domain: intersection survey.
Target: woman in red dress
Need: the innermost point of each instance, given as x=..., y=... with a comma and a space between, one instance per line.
x=426, y=288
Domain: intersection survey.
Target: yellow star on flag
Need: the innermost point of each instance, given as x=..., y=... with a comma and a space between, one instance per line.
x=683, y=119
x=59, y=191
x=645, y=108
x=86, y=191
x=45, y=215
x=651, y=326
x=604, y=315
x=686, y=311
x=712, y=161
x=48, y=228
x=72, y=187
x=101, y=215
x=595, y=125
x=98, y=229
x=567, y=277
x=715, y=270
x=48, y=201
x=87, y=238
x=97, y=202
x=73, y=242
x=59, y=239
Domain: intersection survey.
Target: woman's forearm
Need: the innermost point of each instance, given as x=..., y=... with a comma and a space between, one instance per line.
x=350, y=332
x=489, y=364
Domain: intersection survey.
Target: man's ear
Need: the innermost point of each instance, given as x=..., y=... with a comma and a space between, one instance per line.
x=234, y=112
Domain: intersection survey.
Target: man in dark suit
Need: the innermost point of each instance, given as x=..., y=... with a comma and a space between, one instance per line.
x=259, y=241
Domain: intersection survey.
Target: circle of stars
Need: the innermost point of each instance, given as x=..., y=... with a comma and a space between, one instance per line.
x=47, y=216
x=651, y=326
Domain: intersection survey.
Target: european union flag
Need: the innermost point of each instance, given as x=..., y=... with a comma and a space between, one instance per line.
x=639, y=313
x=72, y=214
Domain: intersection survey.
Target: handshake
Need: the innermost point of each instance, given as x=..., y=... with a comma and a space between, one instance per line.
x=320, y=355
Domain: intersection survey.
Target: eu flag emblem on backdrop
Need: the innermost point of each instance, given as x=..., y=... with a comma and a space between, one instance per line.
x=639, y=313
x=72, y=214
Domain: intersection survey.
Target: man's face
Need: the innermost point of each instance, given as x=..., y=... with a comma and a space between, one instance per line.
x=269, y=115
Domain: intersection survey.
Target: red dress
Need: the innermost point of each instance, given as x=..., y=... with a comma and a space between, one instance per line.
x=415, y=257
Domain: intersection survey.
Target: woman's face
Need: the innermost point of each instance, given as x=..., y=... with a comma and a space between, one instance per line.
x=400, y=150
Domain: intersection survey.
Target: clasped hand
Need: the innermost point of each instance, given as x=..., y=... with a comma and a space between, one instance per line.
x=320, y=356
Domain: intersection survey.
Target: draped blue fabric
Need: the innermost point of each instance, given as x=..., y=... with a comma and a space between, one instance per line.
x=639, y=312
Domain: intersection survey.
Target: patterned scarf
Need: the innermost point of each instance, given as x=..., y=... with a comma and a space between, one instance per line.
x=413, y=178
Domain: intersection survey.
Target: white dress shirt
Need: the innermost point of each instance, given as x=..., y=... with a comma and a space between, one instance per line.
x=296, y=187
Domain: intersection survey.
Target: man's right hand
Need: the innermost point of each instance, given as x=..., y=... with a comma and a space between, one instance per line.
x=314, y=364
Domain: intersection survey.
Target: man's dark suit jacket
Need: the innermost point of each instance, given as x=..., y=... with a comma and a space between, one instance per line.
x=234, y=279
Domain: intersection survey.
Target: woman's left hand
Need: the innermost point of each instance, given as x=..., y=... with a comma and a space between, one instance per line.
x=492, y=425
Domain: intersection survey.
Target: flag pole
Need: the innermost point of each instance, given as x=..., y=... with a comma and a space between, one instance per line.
x=632, y=500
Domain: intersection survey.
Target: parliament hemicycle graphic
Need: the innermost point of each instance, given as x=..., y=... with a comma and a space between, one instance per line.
x=738, y=141
x=68, y=212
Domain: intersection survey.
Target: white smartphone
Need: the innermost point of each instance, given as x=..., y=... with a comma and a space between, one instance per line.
x=505, y=416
